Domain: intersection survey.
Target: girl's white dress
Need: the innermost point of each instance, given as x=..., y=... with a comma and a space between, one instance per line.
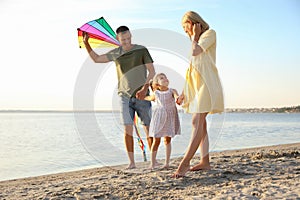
x=165, y=120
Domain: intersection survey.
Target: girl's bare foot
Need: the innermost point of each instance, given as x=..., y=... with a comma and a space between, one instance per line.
x=131, y=166
x=201, y=166
x=166, y=166
x=151, y=166
x=155, y=165
x=181, y=170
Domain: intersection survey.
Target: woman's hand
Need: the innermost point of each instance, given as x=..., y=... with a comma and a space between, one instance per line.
x=196, y=49
x=197, y=30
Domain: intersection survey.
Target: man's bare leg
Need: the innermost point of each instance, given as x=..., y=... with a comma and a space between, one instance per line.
x=129, y=145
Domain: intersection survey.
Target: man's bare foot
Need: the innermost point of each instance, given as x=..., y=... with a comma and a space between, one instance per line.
x=131, y=166
x=181, y=170
x=201, y=166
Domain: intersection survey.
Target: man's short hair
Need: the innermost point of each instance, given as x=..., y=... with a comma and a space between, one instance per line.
x=122, y=29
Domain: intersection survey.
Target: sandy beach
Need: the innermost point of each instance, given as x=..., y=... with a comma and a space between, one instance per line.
x=258, y=173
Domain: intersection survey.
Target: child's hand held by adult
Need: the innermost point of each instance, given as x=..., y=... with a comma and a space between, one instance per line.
x=179, y=100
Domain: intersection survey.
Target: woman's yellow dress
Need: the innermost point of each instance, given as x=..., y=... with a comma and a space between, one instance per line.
x=203, y=90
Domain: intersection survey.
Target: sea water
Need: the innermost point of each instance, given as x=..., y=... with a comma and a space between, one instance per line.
x=39, y=143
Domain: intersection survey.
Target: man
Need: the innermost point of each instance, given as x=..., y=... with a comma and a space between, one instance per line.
x=132, y=63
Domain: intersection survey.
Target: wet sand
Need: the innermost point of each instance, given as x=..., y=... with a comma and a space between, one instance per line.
x=258, y=173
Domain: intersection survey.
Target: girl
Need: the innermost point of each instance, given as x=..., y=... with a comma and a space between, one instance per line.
x=165, y=121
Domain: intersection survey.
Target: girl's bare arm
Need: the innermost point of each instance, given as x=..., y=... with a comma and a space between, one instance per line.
x=175, y=93
x=150, y=98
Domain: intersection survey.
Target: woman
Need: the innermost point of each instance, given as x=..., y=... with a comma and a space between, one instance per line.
x=202, y=93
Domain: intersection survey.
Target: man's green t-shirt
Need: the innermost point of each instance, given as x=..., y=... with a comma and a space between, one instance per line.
x=131, y=69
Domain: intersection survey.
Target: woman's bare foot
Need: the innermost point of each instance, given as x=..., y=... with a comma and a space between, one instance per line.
x=201, y=166
x=131, y=166
x=181, y=170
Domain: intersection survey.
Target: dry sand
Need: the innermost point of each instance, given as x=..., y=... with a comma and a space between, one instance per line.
x=256, y=173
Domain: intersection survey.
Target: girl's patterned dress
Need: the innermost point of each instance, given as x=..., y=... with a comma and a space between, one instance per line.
x=165, y=120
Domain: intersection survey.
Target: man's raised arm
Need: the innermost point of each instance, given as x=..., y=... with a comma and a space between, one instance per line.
x=95, y=57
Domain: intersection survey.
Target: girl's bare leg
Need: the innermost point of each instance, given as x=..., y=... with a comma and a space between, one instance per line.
x=154, y=149
x=198, y=121
x=149, y=139
x=168, y=145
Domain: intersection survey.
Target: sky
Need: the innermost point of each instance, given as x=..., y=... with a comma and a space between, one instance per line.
x=258, y=48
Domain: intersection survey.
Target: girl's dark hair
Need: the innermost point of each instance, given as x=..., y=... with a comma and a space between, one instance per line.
x=122, y=29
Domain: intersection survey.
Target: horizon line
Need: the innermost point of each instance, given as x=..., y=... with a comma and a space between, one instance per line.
x=107, y=110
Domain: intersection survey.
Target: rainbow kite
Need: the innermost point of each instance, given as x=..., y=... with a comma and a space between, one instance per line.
x=140, y=141
x=100, y=33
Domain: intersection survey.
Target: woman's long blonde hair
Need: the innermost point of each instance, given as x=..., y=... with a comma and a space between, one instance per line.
x=195, y=18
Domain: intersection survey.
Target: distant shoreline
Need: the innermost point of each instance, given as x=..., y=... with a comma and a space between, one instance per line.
x=58, y=111
x=291, y=109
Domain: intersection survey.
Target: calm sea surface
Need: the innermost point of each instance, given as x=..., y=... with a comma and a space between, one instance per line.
x=33, y=144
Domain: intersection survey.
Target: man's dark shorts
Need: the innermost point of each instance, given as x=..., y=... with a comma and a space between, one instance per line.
x=131, y=105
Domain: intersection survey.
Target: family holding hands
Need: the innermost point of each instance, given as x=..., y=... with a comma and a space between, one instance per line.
x=202, y=93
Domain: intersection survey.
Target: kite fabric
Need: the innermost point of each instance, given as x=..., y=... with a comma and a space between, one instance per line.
x=140, y=141
x=100, y=33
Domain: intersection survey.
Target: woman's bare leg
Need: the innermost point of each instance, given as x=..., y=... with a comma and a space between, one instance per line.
x=198, y=121
x=204, y=150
